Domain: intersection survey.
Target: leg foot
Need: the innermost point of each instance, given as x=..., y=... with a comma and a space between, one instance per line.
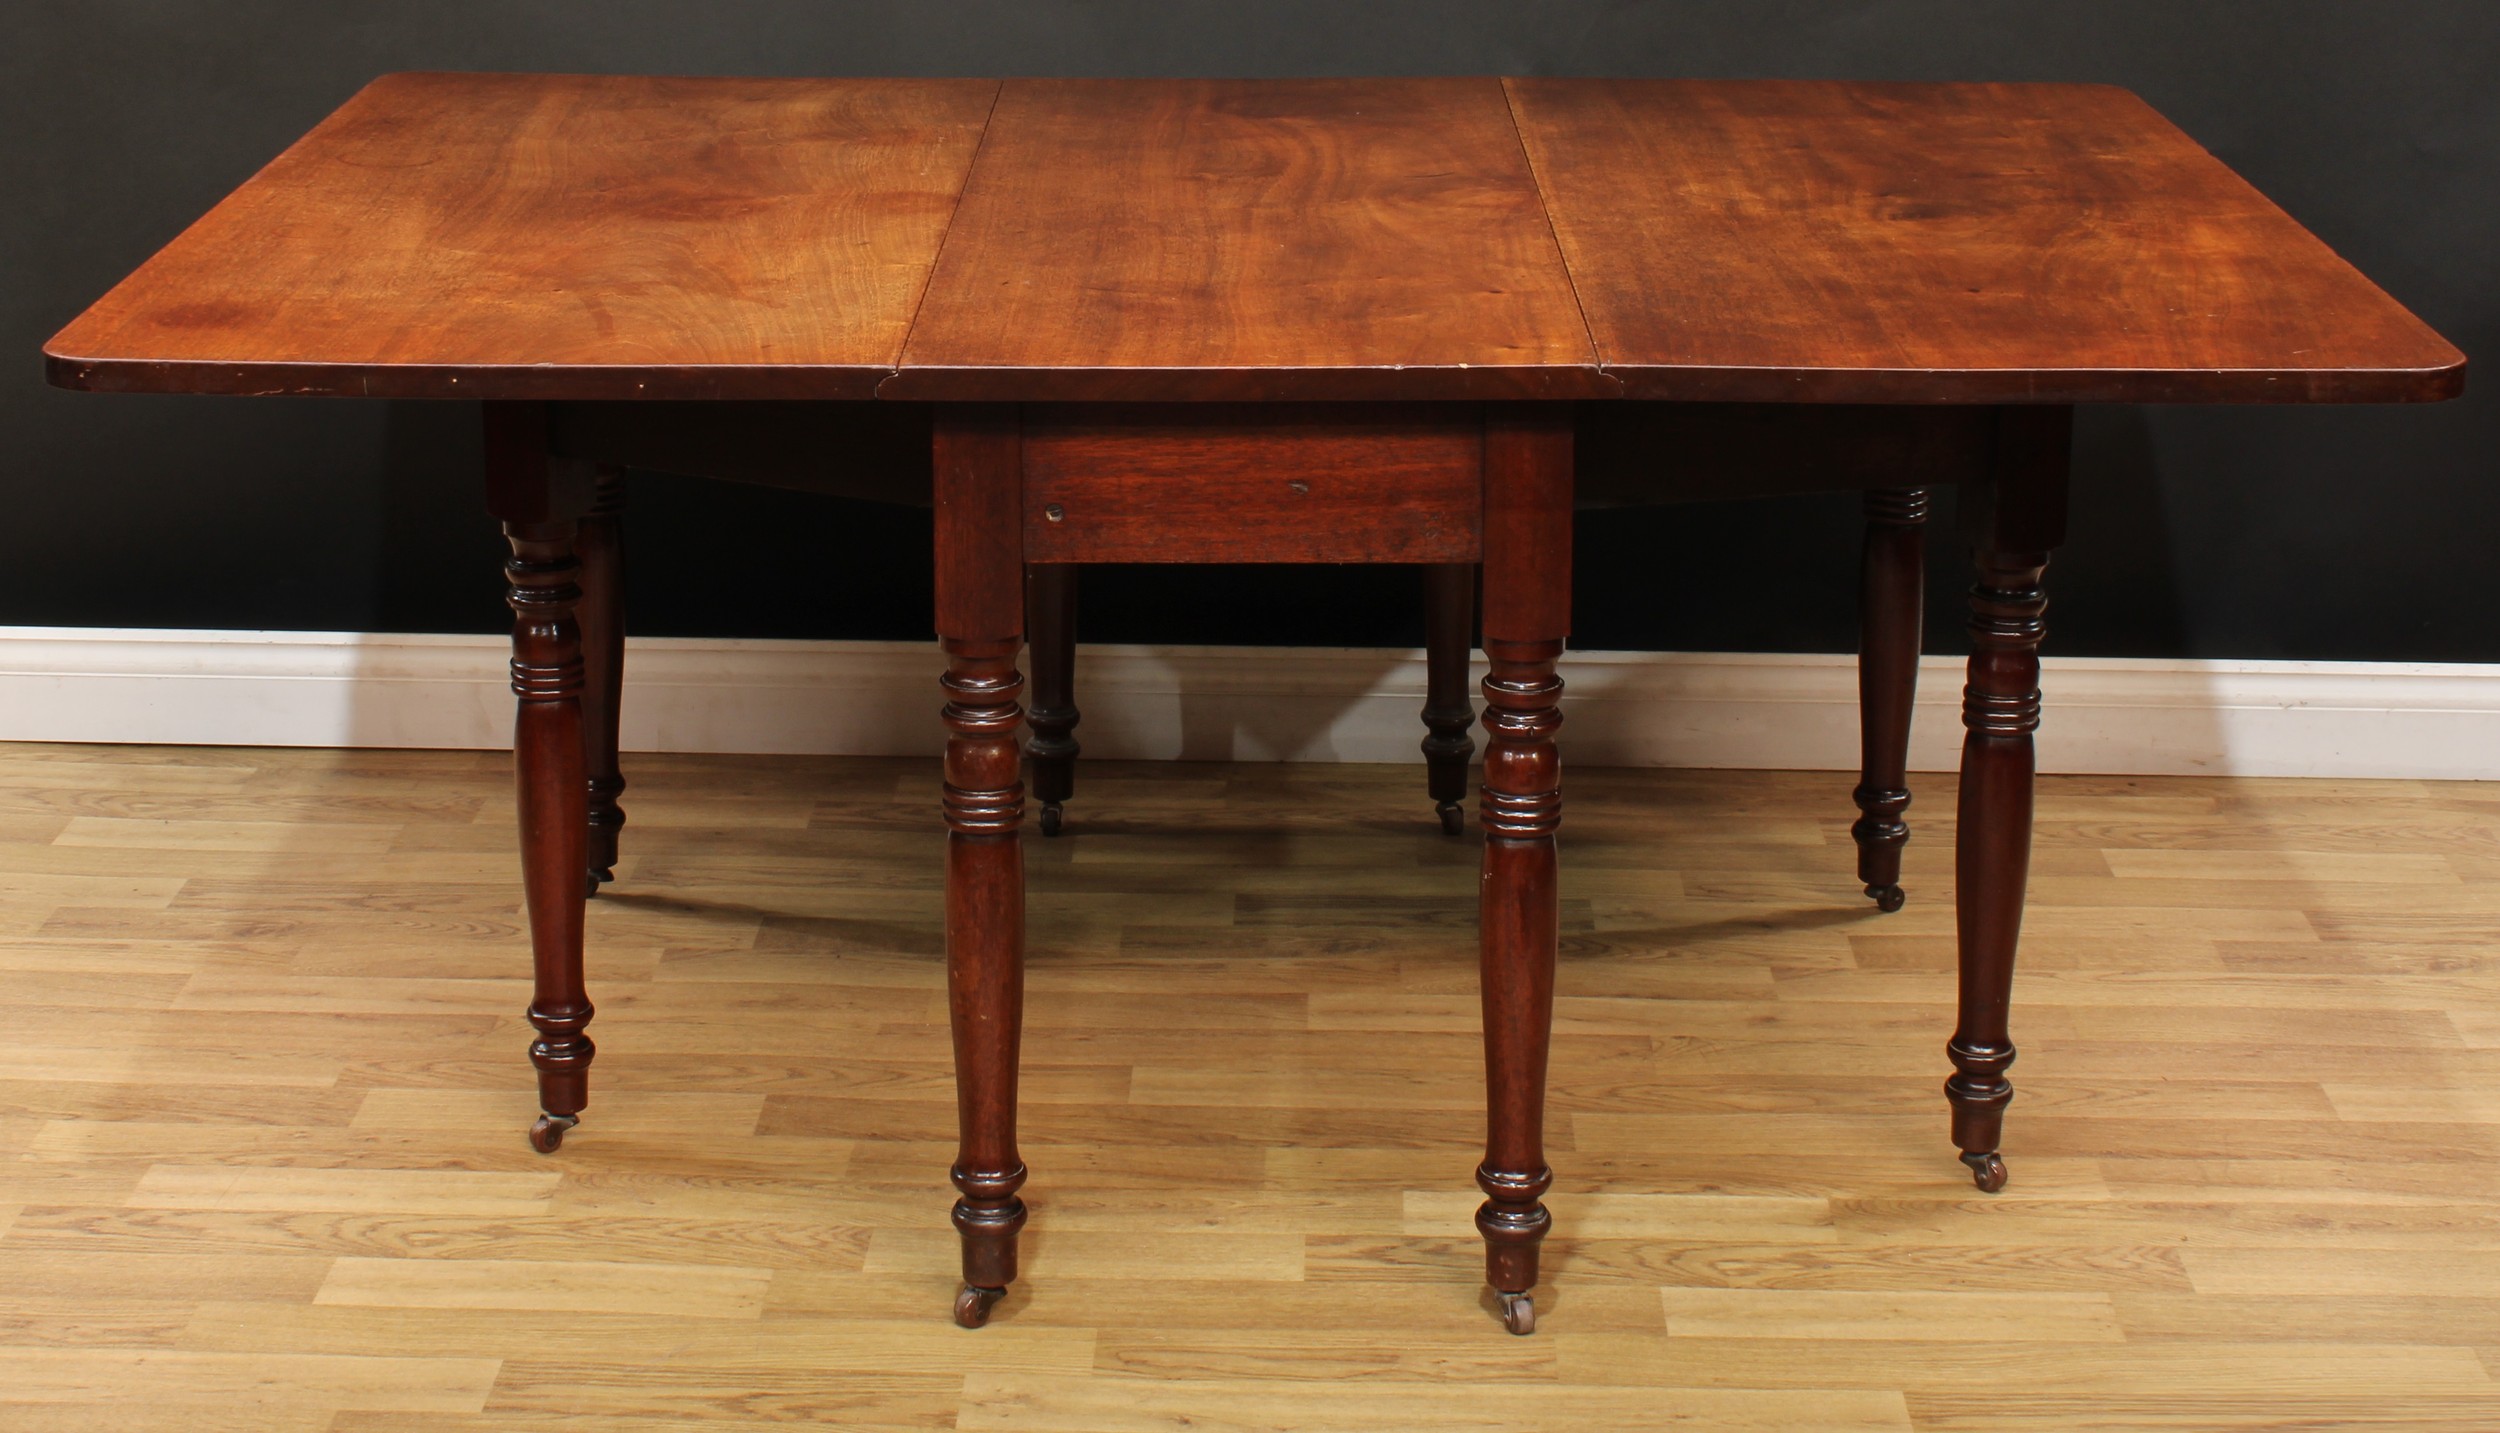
x=1986, y=1170
x=1053, y=814
x=1453, y=817
x=1887, y=898
x=547, y=1136
x=597, y=877
x=973, y=1305
x=1519, y=1313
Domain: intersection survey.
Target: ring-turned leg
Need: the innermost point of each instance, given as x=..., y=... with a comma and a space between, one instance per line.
x=980, y=612
x=1892, y=578
x=603, y=666
x=540, y=503
x=2019, y=518
x=1527, y=609
x=1449, y=623
x=1050, y=756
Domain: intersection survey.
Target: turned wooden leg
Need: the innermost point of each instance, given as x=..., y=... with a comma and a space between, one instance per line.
x=1892, y=578
x=2019, y=518
x=1527, y=608
x=603, y=667
x=540, y=504
x=1050, y=757
x=980, y=610
x=1449, y=629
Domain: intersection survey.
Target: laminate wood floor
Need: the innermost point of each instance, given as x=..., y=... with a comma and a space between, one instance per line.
x=262, y=1092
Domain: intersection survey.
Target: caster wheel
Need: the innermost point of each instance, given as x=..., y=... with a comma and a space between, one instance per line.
x=1986, y=1170
x=1053, y=817
x=1888, y=898
x=973, y=1305
x=1519, y=1314
x=547, y=1136
x=1453, y=818
x=598, y=877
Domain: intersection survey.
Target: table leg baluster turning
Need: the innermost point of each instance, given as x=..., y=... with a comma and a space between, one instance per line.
x=1050, y=757
x=601, y=614
x=1527, y=594
x=1449, y=634
x=540, y=503
x=980, y=615
x=1893, y=583
x=2017, y=516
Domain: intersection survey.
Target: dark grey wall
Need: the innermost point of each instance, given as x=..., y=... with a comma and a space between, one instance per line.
x=2320, y=533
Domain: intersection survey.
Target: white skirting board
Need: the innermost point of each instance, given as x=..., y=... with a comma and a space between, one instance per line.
x=2347, y=719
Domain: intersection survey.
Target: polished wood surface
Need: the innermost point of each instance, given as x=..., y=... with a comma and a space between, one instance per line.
x=1892, y=602
x=980, y=620
x=600, y=544
x=1792, y=240
x=1211, y=482
x=1449, y=714
x=1050, y=642
x=540, y=502
x=574, y=236
x=1527, y=616
x=2017, y=519
x=603, y=237
x=257, y=1107
x=1254, y=239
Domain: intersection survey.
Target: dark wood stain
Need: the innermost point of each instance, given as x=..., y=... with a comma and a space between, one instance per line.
x=1250, y=239
x=557, y=236
x=1812, y=241
x=613, y=237
x=1259, y=483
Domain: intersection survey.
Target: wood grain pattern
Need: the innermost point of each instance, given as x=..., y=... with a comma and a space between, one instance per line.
x=1250, y=239
x=1894, y=243
x=1755, y=1224
x=574, y=236
x=590, y=237
x=1265, y=483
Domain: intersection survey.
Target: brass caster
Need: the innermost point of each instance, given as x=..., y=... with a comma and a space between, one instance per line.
x=1453, y=817
x=547, y=1136
x=973, y=1305
x=1888, y=898
x=1986, y=1170
x=1053, y=816
x=1519, y=1313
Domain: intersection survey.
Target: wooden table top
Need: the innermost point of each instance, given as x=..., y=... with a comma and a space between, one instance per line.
x=581, y=237
x=1267, y=239
x=558, y=236
x=1910, y=243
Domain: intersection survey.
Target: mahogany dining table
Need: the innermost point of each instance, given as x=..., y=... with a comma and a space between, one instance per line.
x=1327, y=320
